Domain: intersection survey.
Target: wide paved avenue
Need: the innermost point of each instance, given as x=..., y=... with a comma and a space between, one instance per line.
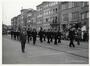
x=12, y=54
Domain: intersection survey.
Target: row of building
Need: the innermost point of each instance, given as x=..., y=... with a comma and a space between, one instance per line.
x=26, y=18
x=6, y=29
x=54, y=15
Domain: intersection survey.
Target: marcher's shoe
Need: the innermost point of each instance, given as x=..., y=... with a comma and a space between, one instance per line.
x=78, y=44
x=41, y=41
x=73, y=46
x=33, y=43
x=48, y=42
x=23, y=51
x=59, y=42
x=55, y=44
x=69, y=45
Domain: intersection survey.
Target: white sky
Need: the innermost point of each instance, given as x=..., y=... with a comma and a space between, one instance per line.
x=11, y=8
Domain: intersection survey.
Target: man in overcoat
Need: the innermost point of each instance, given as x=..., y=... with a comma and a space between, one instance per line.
x=23, y=34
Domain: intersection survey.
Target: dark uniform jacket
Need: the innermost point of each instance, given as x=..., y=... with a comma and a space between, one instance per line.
x=23, y=37
x=34, y=34
x=59, y=34
x=40, y=33
x=71, y=35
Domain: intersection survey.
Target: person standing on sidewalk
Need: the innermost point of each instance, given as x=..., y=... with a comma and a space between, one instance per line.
x=23, y=39
x=71, y=37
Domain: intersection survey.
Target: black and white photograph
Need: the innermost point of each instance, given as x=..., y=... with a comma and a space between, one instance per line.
x=45, y=32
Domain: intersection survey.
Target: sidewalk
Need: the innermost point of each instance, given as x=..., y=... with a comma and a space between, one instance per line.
x=81, y=51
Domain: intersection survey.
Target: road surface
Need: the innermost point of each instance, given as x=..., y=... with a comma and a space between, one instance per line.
x=11, y=54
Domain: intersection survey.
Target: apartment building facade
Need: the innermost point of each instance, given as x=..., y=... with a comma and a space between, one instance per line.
x=14, y=23
x=31, y=19
x=47, y=15
x=27, y=18
x=69, y=14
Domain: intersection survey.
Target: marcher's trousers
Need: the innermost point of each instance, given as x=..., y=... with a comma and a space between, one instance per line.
x=71, y=43
x=23, y=46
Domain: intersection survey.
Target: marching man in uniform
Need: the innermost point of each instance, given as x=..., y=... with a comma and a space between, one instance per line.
x=23, y=34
